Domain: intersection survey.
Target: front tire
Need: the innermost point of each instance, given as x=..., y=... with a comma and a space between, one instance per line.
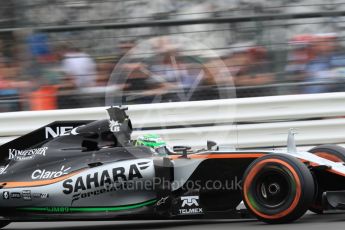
x=333, y=153
x=278, y=189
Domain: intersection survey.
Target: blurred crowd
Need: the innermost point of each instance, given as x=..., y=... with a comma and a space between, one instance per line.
x=65, y=76
x=319, y=61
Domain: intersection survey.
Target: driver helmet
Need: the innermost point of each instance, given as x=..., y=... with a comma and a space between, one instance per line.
x=154, y=142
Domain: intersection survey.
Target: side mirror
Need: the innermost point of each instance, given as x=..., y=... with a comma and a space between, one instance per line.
x=211, y=145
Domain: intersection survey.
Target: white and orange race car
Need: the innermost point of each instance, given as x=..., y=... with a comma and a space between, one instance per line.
x=91, y=170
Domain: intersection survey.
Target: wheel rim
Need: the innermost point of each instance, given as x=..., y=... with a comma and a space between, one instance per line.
x=273, y=188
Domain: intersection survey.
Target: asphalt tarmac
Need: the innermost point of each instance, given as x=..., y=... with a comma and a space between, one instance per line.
x=309, y=221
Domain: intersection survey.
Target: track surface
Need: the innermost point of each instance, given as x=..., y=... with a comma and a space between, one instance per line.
x=310, y=221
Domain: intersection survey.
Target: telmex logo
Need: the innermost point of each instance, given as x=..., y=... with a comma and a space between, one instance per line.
x=60, y=131
x=190, y=201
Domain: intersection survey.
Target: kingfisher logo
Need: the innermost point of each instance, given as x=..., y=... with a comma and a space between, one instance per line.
x=27, y=154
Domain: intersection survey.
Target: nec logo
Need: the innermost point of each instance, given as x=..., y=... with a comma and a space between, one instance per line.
x=189, y=201
x=58, y=131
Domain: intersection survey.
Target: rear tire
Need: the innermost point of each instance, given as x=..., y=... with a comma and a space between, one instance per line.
x=278, y=189
x=333, y=153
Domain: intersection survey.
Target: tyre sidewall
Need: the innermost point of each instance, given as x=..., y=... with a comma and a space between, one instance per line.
x=301, y=202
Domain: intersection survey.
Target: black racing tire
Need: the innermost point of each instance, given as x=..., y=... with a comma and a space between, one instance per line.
x=278, y=188
x=330, y=152
x=333, y=153
x=4, y=224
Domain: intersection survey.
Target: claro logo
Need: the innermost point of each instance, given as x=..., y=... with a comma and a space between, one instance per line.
x=40, y=174
x=60, y=131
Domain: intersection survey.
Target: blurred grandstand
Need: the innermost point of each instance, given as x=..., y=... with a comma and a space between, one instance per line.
x=61, y=53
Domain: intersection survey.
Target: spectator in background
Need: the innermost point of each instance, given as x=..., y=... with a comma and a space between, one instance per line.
x=299, y=56
x=11, y=86
x=8, y=88
x=166, y=63
x=48, y=78
x=249, y=66
x=38, y=46
x=125, y=46
x=79, y=67
x=319, y=71
x=104, y=70
x=143, y=85
x=181, y=79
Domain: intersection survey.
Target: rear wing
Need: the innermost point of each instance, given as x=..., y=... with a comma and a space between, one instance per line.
x=119, y=124
x=47, y=132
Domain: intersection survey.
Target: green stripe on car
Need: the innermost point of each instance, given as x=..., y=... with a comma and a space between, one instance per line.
x=87, y=209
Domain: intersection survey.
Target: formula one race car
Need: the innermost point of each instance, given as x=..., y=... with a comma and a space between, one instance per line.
x=92, y=170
